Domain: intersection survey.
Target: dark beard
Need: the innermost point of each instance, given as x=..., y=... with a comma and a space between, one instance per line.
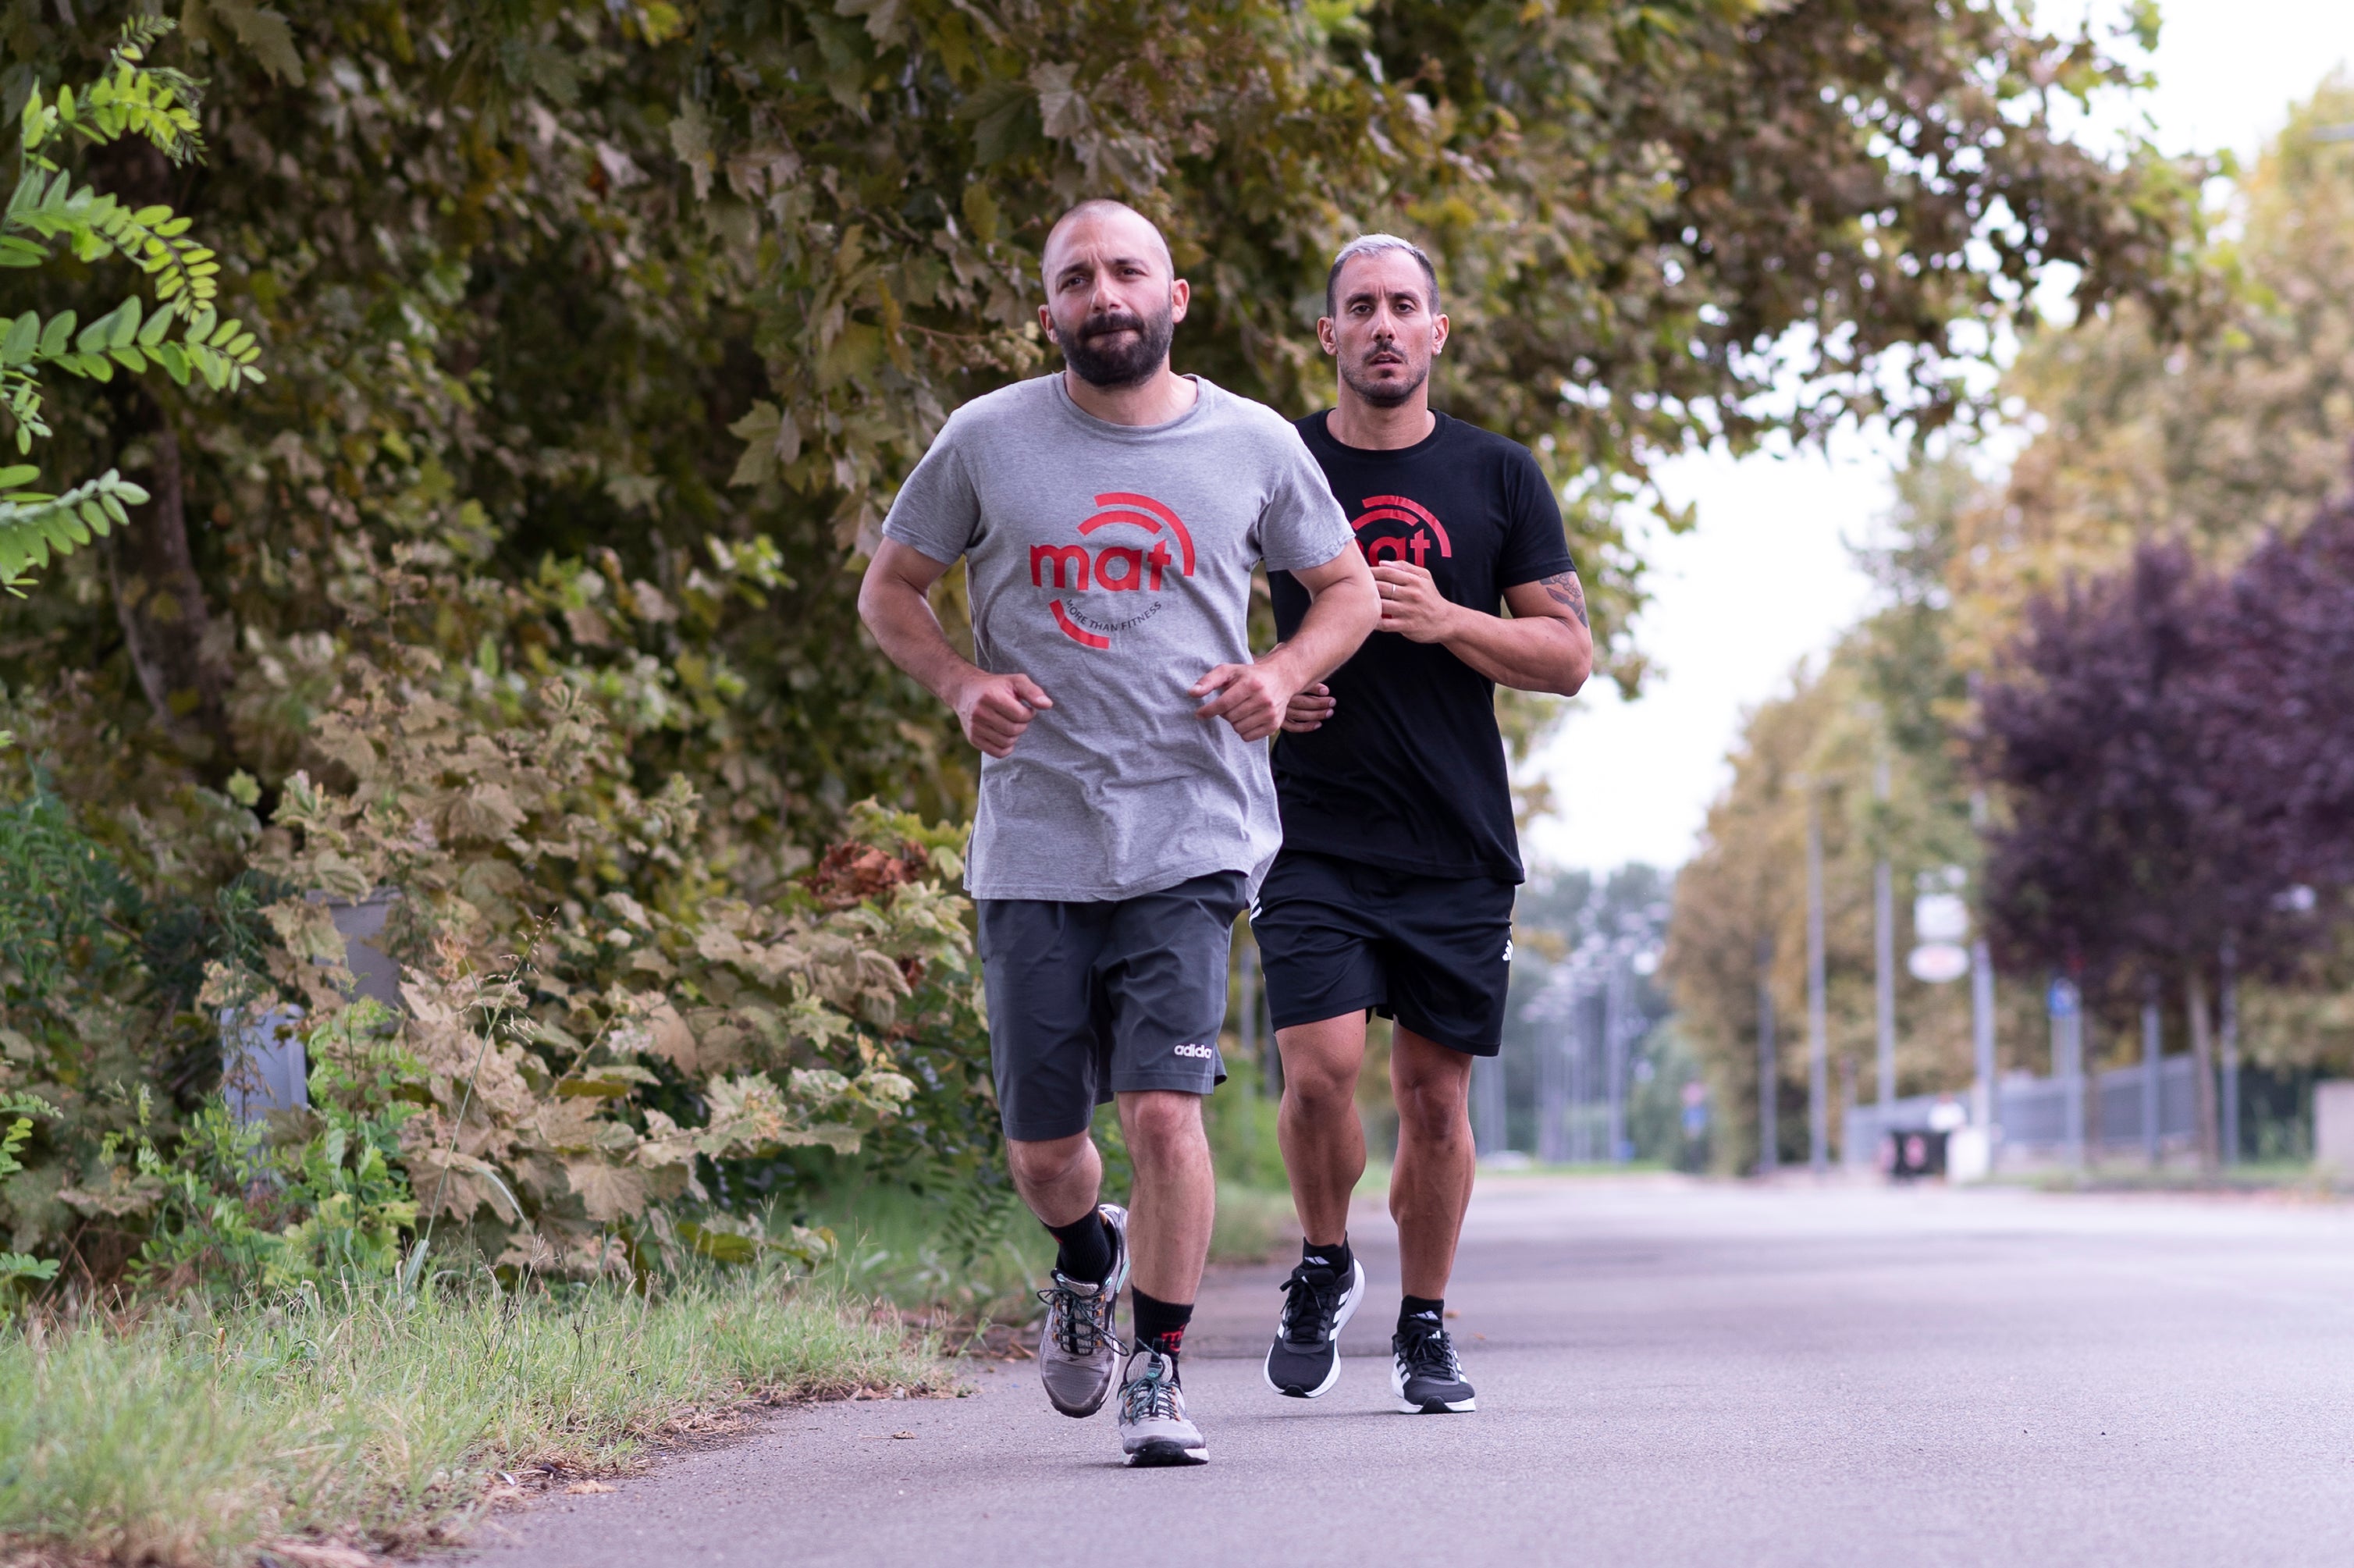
x=1385, y=394
x=1127, y=365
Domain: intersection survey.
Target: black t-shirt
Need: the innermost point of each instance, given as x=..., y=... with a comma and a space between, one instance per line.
x=1408, y=773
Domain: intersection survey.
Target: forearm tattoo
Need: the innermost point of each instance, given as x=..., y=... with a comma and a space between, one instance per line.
x=1566, y=591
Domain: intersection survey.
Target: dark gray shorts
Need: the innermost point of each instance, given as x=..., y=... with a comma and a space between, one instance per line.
x=1089, y=999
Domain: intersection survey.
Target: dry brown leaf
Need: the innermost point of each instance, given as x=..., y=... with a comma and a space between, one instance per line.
x=318, y=1553
x=583, y=1489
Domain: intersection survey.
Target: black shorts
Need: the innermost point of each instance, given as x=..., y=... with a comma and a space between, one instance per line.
x=1433, y=952
x=1088, y=1000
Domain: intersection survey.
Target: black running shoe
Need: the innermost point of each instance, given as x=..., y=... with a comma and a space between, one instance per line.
x=1425, y=1374
x=1318, y=1302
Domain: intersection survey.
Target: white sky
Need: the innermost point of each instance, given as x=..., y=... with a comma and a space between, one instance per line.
x=1765, y=580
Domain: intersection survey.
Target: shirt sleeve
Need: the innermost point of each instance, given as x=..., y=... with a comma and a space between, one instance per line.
x=1301, y=525
x=1535, y=547
x=938, y=511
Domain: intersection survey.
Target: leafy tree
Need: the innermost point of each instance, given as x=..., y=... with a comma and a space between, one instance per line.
x=183, y=334
x=2234, y=432
x=601, y=334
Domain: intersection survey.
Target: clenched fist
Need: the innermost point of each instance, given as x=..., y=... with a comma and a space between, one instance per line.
x=1309, y=708
x=1412, y=605
x=996, y=709
x=1251, y=697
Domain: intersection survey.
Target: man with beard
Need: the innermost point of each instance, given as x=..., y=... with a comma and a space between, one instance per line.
x=1110, y=517
x=1394, y=892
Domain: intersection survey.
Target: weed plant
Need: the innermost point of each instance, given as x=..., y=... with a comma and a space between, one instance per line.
x=372, y=1417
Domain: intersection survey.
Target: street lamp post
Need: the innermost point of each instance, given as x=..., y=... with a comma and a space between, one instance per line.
x=1817, y=1023
x=1988, y=1093
x=2228, y=986
x=1884, y=960
x=2153, y=1046
x=1768, y=1071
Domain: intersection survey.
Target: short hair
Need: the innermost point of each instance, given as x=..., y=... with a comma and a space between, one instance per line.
x=1373, y=245
x=1089, y=207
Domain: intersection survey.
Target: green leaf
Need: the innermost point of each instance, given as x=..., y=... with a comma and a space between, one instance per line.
x=24, y=336
x=174, y=359
x=157, y=324
x=18, y=475
x=126, y=322
x=54, y=335
x=129, y=358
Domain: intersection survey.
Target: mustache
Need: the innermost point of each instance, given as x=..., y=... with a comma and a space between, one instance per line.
x=1111, y=321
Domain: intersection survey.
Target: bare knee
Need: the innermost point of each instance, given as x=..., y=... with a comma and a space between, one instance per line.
x=1163, y=1128
x=1048, y=1163
x=1434, y=1108
x=1318, y=1087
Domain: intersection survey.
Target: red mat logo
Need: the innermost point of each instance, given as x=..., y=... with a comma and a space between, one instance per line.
x=1421, y=529
x=1112, y=567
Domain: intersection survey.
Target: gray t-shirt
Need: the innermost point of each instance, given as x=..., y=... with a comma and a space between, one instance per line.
x=1111, y=564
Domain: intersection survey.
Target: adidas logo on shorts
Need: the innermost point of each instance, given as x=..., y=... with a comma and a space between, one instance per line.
x=1204, y=1053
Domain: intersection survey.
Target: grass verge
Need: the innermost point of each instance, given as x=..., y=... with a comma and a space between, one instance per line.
x=381, y=1423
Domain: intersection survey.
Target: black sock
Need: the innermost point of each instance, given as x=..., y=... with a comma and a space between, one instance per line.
x=1422, y=1311
x=1083, y=1254
x=1336, y=1258
x=1160, y=1325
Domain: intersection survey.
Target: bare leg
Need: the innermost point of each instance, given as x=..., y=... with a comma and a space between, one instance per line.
x=1176, y=1197
x=1059, y=1178
x=1431, y=1184
x=1323, y=1142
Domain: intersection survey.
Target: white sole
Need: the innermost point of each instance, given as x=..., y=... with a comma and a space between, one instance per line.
x=1409, y=1407
x=1349, y=1300
x=1158, y=1456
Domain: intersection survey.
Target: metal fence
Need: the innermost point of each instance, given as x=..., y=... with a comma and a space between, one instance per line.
x=2032, y=1117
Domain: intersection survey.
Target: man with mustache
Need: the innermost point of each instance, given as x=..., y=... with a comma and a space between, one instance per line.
x=1394, y=892
x=1108, y=517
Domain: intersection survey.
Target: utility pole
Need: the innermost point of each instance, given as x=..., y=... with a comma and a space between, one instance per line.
x=1986, y=1110
x=1768, y=1071
x=1819, y=1151
x=2066, y=1008
x=1884, y=957
x=2153, y=1044
x=1552, y=1058
x=1580, y=1148
x=2228, y=1004
x=1615, y=1020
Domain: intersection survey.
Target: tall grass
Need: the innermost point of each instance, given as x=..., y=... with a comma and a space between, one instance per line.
x=370, y=1418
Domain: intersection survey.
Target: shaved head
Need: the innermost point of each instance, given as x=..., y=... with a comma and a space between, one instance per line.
x=1113, y=296
x=1103, y=209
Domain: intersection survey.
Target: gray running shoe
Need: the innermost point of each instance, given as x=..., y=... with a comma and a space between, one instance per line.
x=1305, y=1360
x=1077, y=1351
x=1153, y=1430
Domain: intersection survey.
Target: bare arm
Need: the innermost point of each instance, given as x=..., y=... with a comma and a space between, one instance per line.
x=1341, y=610
x=893, y=602
x=1546, y=646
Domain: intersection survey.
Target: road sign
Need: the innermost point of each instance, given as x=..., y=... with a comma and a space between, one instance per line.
x=1936, y=963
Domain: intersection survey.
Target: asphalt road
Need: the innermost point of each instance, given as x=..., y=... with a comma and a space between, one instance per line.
x=1669, y=1374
